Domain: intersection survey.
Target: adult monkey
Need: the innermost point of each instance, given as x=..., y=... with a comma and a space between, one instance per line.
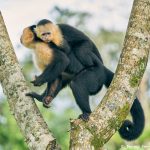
x=86, y=66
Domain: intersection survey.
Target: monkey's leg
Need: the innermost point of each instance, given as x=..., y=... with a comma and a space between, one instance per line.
x=38, y=96
x=54, y=89
x=87, y=82
x=82, y=99
x=81, y=95
x=51, y=92
x=35, y=95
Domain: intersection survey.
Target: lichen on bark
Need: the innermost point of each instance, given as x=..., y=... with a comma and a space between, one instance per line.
x=111, y=112
x=136, y=77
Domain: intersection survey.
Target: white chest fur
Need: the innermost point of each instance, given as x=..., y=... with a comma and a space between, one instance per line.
x=43, y=55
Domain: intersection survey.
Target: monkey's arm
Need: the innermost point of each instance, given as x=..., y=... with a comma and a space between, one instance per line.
x=53, y=70
x=51, y=91
x=65, y=47
x=56, y=87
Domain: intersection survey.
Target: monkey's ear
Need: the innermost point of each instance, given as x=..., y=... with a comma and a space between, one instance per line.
x=36, y=30
x=32, y=27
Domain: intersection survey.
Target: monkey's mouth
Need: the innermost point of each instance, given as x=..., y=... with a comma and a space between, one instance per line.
x=46, y=38
x=47, y=41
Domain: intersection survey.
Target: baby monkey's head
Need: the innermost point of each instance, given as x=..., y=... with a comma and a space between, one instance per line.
x=45, y=30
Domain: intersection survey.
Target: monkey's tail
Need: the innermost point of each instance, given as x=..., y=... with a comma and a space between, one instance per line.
x=130, y=130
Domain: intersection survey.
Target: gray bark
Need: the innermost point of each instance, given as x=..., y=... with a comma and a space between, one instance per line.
x=115, y=106
x=111, y=112
x=24, y=109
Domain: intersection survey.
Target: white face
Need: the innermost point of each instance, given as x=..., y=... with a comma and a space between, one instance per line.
x=46, y=36
x=45, y=32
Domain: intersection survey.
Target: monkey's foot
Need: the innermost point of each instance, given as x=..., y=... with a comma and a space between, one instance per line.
x=47, y=100
x=84, y=116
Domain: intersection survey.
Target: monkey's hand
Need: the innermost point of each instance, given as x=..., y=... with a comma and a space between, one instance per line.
x=38, y=81
x=47, y=100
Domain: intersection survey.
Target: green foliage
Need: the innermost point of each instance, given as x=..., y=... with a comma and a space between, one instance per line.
x=10, y=136
x=109, y=43
x=132, y=148
x=116, y=143
x=59, y=125
x=145, y=137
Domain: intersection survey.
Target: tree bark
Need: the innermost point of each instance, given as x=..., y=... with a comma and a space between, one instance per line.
x=24, y=109
x=115, y=106
x=111, y=112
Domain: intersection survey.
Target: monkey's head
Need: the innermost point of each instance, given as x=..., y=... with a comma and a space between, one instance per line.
x=45, y=30
x=48, y=32
x=28, y=37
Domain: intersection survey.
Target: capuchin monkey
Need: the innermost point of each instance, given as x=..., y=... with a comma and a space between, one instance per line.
x=70, y=58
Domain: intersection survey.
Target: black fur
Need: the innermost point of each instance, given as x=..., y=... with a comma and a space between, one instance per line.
x=54, y=69
x=43, y=21
x=86, y=76
x=132, y=130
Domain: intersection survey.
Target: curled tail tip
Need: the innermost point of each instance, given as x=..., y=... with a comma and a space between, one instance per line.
x=129, y=131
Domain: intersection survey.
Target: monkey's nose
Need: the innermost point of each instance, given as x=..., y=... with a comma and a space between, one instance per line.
x=46, y=34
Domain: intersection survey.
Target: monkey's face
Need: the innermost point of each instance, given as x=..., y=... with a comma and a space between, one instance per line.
x=27, y=37
x=45, y=32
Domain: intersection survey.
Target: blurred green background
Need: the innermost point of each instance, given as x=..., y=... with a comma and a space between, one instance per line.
x=109, y=41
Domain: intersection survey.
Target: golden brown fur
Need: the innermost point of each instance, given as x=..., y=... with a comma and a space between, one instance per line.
x=27, y=38
x=55, y=36
x=43, y=53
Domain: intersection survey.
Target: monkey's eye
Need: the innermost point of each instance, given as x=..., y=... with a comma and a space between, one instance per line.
x=46, y=33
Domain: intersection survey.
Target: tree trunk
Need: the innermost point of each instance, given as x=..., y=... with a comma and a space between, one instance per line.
x=115, y=106
x=23, y=108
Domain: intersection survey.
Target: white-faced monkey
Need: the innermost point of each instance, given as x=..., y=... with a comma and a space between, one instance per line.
x=68, y=57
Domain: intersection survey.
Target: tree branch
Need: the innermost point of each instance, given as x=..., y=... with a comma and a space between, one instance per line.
x=115, y=106
x=23, y=108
